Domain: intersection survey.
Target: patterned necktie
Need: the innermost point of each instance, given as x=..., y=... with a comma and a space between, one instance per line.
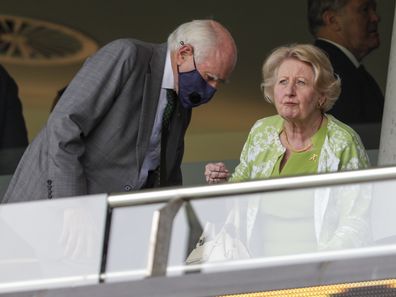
x=171, y=97
x=170, y=106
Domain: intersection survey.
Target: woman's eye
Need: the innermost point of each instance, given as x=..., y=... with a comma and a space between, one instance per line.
x=301, y=83
x=283, y=82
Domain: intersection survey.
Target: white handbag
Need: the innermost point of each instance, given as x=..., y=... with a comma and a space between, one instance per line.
x=224, y=246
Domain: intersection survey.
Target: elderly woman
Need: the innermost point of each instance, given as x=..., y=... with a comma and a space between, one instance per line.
x=302, y=139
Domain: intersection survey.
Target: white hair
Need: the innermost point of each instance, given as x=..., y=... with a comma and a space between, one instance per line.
x=200, y=34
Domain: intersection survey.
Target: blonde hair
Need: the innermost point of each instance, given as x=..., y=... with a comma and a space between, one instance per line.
x=325, y=81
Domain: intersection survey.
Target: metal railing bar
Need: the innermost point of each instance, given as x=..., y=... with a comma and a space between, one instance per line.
x=269, y=262
x=160, y=238
x=105, y=244
x=258, y=186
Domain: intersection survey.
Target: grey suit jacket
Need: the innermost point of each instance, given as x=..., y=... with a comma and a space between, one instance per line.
x=97, y=135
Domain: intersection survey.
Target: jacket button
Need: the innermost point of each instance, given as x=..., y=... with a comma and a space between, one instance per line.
x=127, y=188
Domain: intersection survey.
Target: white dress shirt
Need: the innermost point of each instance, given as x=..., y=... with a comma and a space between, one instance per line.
x=152, y=158
x=345, y=51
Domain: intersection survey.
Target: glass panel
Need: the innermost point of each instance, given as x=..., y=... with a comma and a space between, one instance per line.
x=207, y=215
x=51, y=243
x=289, y=223
x=129, y=242
x=256, y=227
x=130, y=236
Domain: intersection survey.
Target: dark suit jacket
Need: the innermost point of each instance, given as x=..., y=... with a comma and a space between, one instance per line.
x=361, y=99
x=13, y=134
x=97, y=136
x=12, y=125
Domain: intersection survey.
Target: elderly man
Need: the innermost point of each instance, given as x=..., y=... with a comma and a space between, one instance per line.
x=120, y=124
x=347, y=31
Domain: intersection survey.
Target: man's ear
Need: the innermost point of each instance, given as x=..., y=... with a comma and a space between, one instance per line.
x=330, y=19
x=183, y=52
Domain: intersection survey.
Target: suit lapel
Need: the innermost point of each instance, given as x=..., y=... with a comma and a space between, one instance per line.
x=151, y=93
x=177, y=129
x=336, y=56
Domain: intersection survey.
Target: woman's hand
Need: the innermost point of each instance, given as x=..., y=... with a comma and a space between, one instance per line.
x=216, y=173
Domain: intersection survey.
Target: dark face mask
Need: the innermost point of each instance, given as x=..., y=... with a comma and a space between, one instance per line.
x=193, y=89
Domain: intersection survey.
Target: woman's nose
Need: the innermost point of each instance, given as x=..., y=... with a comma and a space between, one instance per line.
x=291, y=88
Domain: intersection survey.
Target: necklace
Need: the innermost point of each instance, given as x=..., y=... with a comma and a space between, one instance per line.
x=304, y=149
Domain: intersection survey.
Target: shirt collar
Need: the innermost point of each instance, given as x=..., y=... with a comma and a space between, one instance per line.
x=345, y=51
x=168, y=81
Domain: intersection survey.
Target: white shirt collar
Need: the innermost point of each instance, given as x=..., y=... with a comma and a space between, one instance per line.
x=168, y=81
x=345, y=51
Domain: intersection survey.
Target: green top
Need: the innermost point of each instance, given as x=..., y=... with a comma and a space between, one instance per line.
x=303, y=162
x=341, y=149
x=337, y=223
x=296, y=219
